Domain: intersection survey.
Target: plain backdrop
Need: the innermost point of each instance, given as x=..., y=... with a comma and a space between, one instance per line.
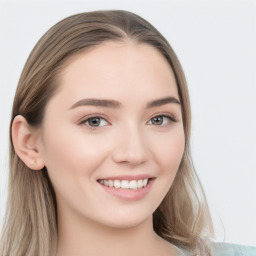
x=215, y=42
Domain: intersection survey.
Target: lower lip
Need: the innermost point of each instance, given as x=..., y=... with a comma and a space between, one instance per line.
x=129, y=194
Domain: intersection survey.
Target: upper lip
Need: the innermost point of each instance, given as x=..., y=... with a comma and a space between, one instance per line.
x=128, y=177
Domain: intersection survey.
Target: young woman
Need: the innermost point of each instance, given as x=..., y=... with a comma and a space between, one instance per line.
x=99, y=156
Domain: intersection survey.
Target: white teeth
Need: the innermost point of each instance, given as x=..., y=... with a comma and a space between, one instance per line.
x=133, y=184
x=110, y=183
x=117, y=183
x=125, y=184
x=140, y=184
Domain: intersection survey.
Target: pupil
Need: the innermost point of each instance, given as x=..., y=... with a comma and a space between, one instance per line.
x=94, y=121
x=157, y=120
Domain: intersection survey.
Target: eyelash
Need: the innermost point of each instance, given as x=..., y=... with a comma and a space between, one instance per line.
x=170, y=117
x=91, y=118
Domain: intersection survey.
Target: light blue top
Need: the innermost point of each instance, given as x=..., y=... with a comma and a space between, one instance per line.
x=225, y=249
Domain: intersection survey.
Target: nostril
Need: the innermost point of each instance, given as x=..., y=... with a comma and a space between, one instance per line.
x=130, y=148
x=128, y=158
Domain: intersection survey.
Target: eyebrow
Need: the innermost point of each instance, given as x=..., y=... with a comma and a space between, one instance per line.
x=162, y=101
x=97, y=103
x=115, y=104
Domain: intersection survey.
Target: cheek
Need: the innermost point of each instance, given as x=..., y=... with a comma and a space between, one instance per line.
x=72, y=156
x=169, y=151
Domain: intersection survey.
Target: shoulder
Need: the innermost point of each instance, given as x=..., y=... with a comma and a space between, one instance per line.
x=226, y=249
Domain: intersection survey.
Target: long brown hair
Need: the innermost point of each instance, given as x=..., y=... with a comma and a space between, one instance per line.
x=30, y=226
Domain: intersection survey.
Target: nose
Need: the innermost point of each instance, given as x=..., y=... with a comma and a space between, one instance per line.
x=130, y=147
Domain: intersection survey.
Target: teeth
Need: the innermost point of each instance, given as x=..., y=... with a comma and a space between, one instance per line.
x=110, y=183
x=140, y=184
x=125, y=184
x=133, y=184
x=117, y=183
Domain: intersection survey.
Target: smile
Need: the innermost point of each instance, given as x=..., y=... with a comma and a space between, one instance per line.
x=125, y=184
x=127, y=187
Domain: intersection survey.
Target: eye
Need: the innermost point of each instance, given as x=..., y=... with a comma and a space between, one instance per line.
x=162, y=120
x=95, y=121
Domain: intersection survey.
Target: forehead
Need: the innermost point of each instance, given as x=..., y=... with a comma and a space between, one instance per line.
x=115, y=69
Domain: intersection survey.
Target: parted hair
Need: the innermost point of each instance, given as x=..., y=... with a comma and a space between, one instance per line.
x=30, y=225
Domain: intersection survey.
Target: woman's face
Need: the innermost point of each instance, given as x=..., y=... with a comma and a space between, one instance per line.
x=115, y=121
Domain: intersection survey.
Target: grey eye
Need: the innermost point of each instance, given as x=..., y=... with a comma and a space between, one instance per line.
x=157, y=120
x=162, y=120
x=95, y=121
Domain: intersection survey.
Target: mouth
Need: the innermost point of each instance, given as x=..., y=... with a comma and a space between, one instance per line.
x=127, y=188
x=125, y=184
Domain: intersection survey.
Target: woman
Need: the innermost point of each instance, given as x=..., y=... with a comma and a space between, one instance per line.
x=99, y=156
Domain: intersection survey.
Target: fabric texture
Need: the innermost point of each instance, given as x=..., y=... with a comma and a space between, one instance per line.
x=222, y=249
x=226, y=249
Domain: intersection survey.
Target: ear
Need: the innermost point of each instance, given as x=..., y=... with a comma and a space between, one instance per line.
x=25, y=142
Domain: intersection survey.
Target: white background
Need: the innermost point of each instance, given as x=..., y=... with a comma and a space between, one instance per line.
x=215, y=42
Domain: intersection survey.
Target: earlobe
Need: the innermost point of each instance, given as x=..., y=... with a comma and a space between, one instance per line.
x=25, y=142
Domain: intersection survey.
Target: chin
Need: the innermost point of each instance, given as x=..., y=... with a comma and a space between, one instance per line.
x=126, y=221
x=127, y=224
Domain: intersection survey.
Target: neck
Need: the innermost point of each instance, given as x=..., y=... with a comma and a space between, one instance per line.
x=86, y=237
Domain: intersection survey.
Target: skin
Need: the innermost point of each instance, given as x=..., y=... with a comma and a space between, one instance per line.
x=125, y=142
